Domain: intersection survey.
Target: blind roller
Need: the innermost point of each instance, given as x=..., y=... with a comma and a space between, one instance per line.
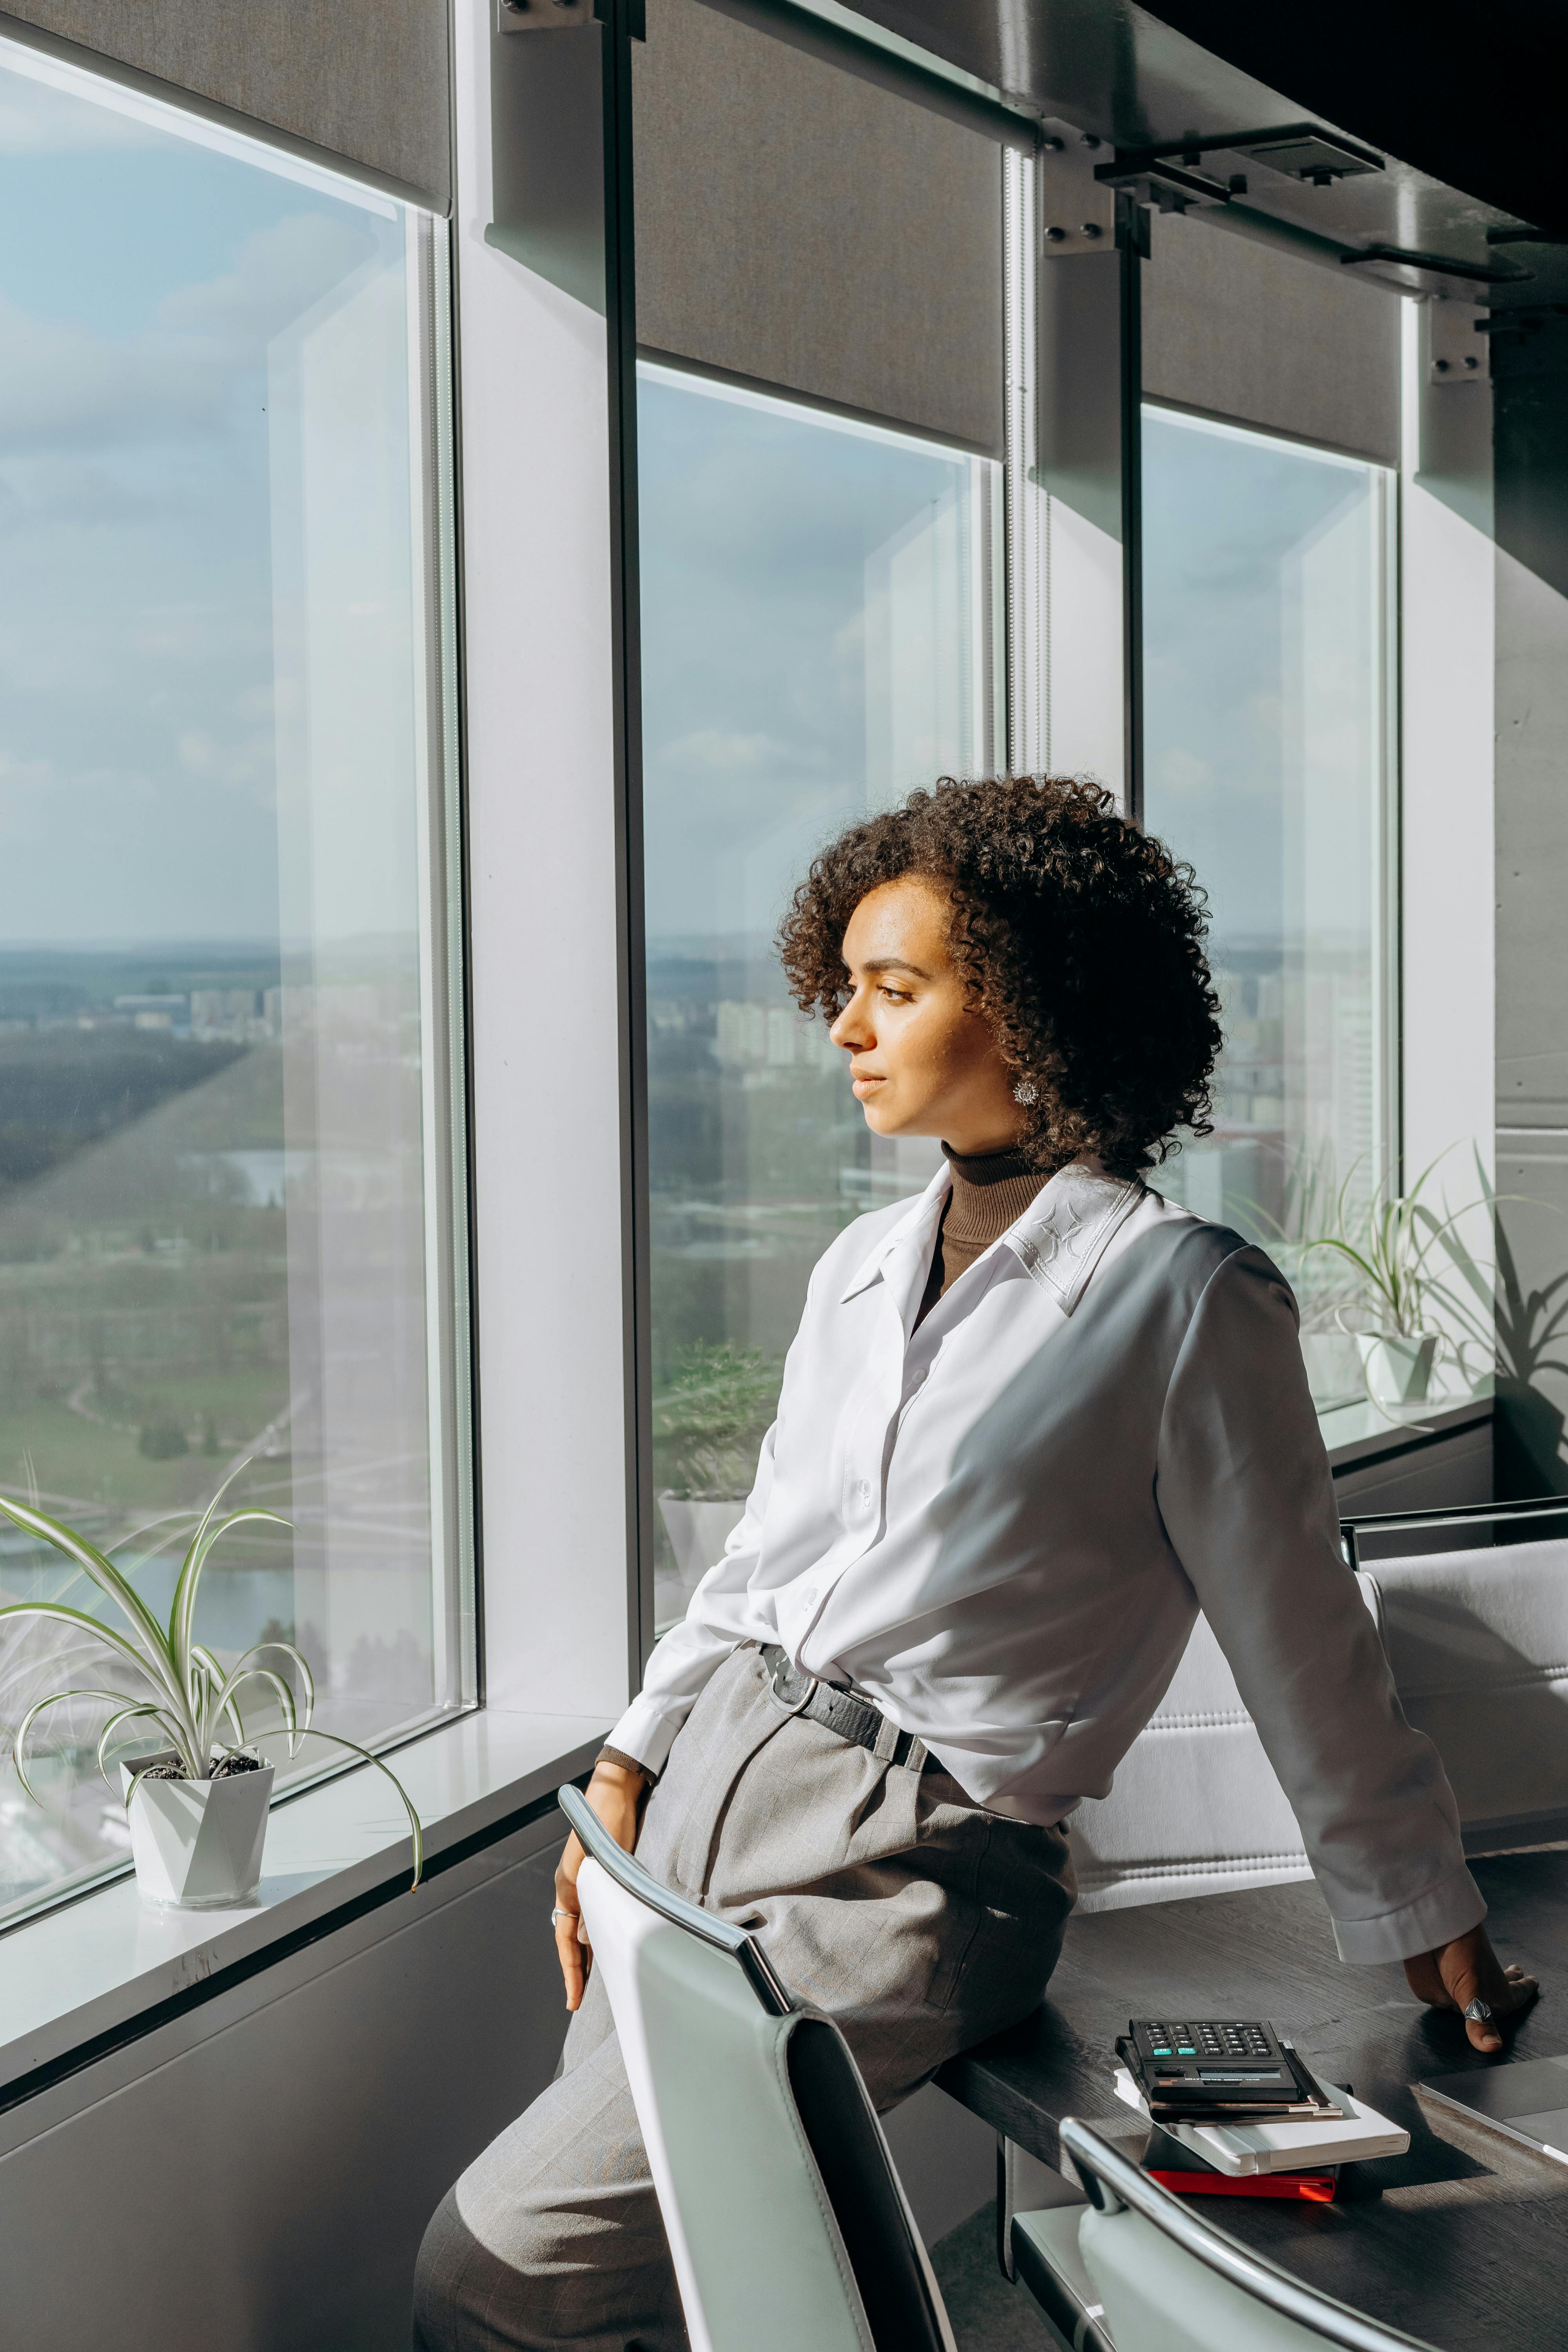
x=365, y=79
x=803, y=227
x=1239, y=329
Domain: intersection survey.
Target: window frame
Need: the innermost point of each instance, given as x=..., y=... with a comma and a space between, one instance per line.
x=441, y=867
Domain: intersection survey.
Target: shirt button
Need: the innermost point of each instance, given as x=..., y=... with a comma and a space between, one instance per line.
x=862, y=1490
x=808, y=1596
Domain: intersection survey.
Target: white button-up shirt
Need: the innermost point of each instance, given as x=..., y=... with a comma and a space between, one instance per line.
x=1000, y=1528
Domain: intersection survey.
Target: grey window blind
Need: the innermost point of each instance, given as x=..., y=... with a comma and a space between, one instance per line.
x=367, y=80
x=1238, y=329
x=800, y=226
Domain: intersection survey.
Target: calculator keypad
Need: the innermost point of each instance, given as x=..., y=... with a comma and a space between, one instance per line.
x=1208, y=2038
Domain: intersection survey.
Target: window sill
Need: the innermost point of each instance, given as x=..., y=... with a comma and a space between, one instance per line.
x=81, y=1980
x=1362, y=1433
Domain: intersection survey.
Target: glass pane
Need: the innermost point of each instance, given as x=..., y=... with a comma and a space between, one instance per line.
x=818, y=602
x=1263, y=588
x=221, y=986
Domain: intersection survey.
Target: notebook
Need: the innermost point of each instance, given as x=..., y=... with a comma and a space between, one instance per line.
x=1238, y=2148
x=1528, y=2098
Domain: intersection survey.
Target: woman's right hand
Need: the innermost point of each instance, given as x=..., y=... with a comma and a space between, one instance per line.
x=615, y=1794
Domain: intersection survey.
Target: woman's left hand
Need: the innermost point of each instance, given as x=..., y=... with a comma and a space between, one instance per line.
x=1468, y=1969
x=615, y=1795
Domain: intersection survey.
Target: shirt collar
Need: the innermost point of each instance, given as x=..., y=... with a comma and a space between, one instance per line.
x=915, y=1229
x=1059, y=1241
x=1062, y=1235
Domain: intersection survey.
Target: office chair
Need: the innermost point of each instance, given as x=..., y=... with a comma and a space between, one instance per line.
x=1166, y=2281
x=787, y=2223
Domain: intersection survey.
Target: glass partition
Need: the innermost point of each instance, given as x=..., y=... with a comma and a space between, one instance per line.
x=819, y=604
x=1266, y=585
x=226, y=1132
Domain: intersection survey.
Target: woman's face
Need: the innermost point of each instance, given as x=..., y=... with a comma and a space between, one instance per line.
x=921, y=1061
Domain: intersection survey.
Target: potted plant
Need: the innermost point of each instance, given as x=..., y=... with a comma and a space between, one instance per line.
x=197, y=1807
x=706, y=1427
x=1416, y=1277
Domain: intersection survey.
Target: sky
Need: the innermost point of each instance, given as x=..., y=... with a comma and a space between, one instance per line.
x=145, y=281
x=1259, y=574
x=773, y=546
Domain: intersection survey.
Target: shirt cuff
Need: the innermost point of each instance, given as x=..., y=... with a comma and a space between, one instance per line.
x=1448, y=1909
x=644, y=1734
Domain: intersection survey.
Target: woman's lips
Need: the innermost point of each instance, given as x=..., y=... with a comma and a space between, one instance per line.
x=861, y=1086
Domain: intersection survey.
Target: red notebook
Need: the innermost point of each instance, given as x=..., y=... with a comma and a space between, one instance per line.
x=1316, y=2188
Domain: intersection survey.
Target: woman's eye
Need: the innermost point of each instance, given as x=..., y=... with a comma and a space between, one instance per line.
x=897, y=996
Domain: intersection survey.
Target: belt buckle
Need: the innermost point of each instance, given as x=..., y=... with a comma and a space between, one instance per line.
x=784, y=1672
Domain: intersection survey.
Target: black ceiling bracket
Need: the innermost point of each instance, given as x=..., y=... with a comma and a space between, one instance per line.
x=1438, y=264
x=1298, y=151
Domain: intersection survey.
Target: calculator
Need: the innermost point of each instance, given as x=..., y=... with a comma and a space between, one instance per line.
x=1214, y=2062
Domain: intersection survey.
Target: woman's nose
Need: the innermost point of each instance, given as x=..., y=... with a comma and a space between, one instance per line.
x=851, y=1029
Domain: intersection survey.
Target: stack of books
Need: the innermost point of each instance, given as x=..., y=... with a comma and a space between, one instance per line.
x=1289, y=2155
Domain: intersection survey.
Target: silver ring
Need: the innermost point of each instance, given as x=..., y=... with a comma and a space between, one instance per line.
x=1479, y=2010
x=559, y=1914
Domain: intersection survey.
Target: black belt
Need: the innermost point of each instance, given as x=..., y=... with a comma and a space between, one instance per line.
x=855, y=1720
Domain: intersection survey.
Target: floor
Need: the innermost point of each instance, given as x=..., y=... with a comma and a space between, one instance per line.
x=987, y=2315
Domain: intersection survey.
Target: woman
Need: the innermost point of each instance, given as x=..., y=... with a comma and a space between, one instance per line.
x=1032, y=1422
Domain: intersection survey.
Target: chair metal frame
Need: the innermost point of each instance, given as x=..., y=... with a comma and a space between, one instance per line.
x=1112, y=2181
x=738, y=1942
x=1455, y=1514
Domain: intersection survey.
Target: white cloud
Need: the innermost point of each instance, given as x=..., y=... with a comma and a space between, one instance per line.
x=37, y=121
x=725, y=753
x=278, y=272
x=246, y=763
x=63, y=383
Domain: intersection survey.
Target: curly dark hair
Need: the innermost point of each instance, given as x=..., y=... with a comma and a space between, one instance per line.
x=1082, y=940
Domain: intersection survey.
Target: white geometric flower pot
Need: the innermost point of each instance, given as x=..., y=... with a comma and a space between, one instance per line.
x=197, y=1844
x=1398, y=1371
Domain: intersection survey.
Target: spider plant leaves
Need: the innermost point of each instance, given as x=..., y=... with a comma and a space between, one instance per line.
x=311, y=1731
x=181, y=1614
x=130, y=1711
x=143, y=1625
x=64, y=1614
x=54, y=1698
x=286, y=1650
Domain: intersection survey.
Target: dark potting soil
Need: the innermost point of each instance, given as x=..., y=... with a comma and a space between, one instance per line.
x=227, y=1768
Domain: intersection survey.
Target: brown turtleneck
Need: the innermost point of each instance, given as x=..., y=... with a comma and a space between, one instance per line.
x=988, y=1194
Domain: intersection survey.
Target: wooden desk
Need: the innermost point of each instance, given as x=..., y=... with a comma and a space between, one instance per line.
x=1463, y=2239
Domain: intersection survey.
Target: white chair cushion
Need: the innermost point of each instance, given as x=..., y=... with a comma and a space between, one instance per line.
x=1477, y=1641
x=1479, y=1644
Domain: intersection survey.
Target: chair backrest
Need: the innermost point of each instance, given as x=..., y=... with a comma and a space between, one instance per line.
x=787, y=2225
x=1172, y=2283
x=1477, y=1641
x=1195, y=1808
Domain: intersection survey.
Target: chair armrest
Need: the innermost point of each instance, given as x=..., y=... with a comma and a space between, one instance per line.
x=1047, y=2262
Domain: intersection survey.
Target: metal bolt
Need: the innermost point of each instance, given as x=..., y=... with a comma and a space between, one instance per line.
x=1052, y=146
x=1088, y=139
x=1470, y=360
x=1091, y=229
x=1054, y=236
x=1441, y=366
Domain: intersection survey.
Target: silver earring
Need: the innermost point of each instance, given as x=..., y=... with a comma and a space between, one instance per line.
x=1025, y=1091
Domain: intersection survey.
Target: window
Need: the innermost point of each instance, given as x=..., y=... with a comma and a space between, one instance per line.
x=226, y=1193
x=1266, y=579
x=819, y=626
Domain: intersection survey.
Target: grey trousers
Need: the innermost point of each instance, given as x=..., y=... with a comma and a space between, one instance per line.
x=884, y=1897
